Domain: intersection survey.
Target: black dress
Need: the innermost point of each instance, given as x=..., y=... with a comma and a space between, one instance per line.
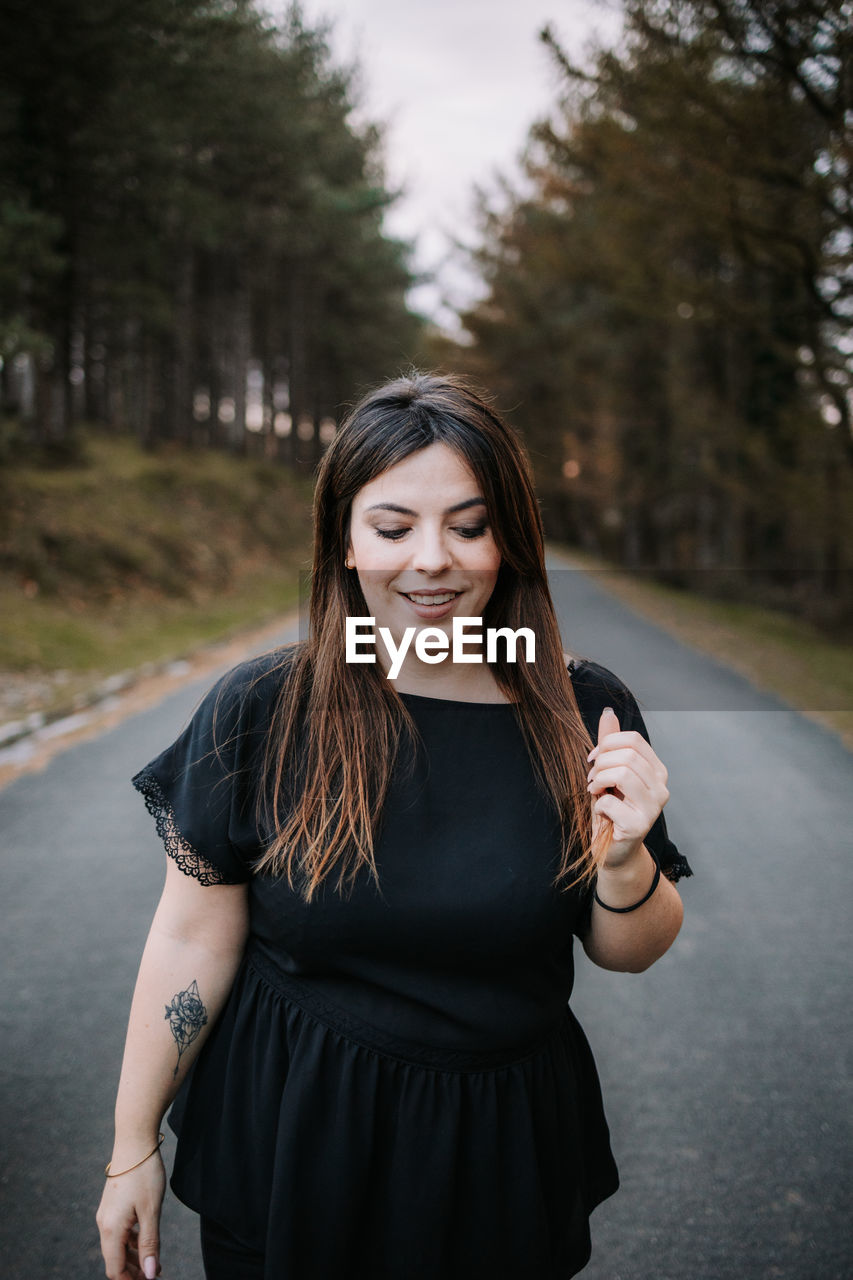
x=396, y=1086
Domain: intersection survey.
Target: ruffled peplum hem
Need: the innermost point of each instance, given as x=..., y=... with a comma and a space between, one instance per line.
x=369, y=1154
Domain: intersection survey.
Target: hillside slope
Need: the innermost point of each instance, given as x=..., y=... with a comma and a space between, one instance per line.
x=135, y=558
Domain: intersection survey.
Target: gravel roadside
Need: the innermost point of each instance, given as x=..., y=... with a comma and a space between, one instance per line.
x=29, y=739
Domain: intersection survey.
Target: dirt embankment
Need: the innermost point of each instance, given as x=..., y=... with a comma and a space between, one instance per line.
x=120, y=572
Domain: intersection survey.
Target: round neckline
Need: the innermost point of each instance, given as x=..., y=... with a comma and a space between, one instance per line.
x=571, y=667
x=454, y=702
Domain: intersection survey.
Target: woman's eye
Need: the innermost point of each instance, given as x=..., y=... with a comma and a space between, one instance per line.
x=467, y=531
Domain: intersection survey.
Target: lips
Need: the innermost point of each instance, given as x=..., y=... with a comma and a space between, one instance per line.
x=431, y=605
x=431, y=597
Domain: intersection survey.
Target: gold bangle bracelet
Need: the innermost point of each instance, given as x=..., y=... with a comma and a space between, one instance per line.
x=161, y=1139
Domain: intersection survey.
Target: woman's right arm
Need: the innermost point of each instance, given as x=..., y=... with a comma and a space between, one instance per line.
x=188, y=967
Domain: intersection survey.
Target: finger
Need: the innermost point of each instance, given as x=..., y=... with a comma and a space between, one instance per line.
x=635, y=820
x=114, y=1250
x=148, y=1245
x=626, y=738
x=628, y=776
x=608, y=723
x=628, y=819
x=626, y=755
x=610, y=769
x=132, y=1269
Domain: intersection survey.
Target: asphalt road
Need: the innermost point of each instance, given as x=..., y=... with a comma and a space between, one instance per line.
x=725, y=1067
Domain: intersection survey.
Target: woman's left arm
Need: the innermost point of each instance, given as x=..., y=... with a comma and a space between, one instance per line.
x=633, y=940
x=628, y=785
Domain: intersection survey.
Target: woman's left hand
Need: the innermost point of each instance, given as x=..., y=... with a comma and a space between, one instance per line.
x=628, y=785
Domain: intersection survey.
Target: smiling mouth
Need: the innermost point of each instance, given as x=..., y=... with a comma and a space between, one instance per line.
x=441, y=597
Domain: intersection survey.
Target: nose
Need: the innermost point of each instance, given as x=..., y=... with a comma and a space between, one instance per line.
x=431, y=552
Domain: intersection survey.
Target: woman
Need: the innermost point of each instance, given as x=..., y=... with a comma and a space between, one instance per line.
x=356, y=980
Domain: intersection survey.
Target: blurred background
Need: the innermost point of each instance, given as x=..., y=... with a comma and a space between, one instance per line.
x=632, y=223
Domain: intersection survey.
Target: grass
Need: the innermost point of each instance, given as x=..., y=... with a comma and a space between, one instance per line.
x=134, y=558
x=45, y=636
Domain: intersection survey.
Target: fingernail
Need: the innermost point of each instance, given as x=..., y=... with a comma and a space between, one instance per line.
x=591, y=754
x=149, y=1266
x=607, y=709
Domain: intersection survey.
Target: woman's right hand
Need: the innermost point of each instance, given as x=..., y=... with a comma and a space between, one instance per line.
x=128, y=1220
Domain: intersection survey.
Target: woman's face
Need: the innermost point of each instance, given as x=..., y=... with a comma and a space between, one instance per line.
x=420, y=530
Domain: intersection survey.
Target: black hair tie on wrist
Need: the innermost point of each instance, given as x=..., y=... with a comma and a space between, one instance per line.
x=645, y=898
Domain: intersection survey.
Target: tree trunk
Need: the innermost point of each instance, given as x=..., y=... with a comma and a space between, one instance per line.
x=181, y=388
x=242, y=349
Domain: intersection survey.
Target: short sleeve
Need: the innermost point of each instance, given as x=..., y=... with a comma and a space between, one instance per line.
x=596, y=687
x=194, y=788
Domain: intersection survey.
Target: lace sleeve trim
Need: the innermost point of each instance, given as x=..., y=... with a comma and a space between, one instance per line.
x=677, y=869
x=189, y=860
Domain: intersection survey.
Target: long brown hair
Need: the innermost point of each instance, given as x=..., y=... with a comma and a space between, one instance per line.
x=336, y=730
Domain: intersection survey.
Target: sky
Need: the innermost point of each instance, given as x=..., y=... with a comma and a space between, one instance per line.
x=457, y=84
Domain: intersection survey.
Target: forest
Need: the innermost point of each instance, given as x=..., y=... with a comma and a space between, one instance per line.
x=191, y=242
x=192, y=252
x=670, y=301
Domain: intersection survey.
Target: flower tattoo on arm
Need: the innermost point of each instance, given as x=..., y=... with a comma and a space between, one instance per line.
x=187, y=1015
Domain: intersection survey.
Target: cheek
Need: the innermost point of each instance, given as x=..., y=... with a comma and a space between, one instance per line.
x=488, y=557
x=376, y=558
x=366, y=547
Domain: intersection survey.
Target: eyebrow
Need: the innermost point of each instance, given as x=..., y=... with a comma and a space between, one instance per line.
x=407, y=511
